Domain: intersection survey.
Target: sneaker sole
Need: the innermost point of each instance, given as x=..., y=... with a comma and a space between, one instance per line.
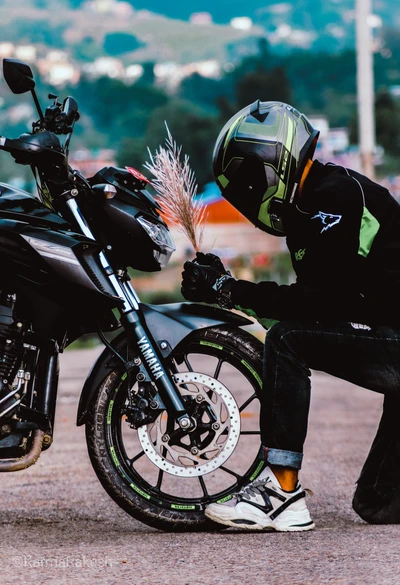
x=280, y=525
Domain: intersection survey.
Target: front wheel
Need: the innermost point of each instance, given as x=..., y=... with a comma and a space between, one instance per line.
x=162, y=475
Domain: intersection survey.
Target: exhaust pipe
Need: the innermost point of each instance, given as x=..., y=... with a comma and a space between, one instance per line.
x=27, y=460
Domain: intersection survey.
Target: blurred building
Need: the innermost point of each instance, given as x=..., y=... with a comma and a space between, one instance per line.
x=334, y=145
x=201, y=18
x=89, y=162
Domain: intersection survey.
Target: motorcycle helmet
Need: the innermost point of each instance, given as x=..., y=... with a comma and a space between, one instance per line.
x=259, y=158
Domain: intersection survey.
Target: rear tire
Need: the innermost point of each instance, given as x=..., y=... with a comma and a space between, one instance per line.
x=156, y=487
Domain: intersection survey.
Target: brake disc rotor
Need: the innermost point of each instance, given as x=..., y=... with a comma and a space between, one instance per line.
x=210, y=444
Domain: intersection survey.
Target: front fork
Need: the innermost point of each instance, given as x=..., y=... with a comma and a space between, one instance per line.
x=152, y=360
x=139, y=335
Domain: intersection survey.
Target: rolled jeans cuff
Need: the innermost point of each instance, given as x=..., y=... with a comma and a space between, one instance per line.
x=282, y=458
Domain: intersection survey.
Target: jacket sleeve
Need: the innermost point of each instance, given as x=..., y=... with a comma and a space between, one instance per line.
x=330, y=287
x=268, y=300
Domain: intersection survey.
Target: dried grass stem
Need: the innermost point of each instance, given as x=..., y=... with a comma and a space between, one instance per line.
x=176, y=187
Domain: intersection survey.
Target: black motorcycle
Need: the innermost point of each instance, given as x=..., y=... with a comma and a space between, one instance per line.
x=171, y=405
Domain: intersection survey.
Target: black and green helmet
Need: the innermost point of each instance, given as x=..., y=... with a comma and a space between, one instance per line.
x=258, y=160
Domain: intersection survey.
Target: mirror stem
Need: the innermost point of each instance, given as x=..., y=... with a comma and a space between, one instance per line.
x=39, y=109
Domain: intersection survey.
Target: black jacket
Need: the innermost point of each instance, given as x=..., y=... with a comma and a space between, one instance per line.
x=344, y=239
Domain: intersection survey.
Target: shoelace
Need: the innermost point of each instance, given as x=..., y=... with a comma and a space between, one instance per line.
x=258, y=487
x=253, y=489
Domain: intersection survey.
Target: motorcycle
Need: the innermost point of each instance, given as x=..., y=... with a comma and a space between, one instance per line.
x=171, y=405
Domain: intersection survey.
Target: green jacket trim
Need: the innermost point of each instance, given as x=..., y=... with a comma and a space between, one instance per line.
x=368, y=230
x=266, y=323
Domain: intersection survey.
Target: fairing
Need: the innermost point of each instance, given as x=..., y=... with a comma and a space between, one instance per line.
x=54, y=271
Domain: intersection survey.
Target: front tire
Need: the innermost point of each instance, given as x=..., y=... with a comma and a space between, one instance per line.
x=168, y=485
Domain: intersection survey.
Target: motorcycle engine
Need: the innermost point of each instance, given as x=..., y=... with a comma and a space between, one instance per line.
x=12, y=332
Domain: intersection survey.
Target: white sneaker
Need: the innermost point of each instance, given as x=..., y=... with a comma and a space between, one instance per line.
x=264, y=505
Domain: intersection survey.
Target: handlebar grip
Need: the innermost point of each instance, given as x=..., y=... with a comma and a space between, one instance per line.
x=6, y=144
x=3, y=144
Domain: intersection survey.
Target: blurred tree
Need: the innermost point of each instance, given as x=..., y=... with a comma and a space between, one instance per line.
x=191, y=128
x=262, y=60
x=88, y=49
x=270, y=85
x=203, y=90
x=322, y=82
x=391, y=40
x=117, y=43
x=116, y=108
x=148, y=76
x=226, y=109
x=387, y=122
x=261, y=76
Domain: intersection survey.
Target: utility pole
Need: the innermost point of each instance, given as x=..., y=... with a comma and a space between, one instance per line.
x=365, y=87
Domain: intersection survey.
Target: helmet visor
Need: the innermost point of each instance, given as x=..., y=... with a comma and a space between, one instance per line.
x=248, y=187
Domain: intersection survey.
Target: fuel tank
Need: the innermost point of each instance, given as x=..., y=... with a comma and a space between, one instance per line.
x=38, y=249
x=21, y=206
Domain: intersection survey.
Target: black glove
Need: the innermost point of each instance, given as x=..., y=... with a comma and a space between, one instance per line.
x=211, y=260
x=208, y=282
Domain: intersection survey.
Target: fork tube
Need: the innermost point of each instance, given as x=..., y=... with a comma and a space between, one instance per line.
x=134, y=324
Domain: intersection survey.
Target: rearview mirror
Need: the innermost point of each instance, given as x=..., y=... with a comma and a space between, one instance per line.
x=70, y=108
x=18, y=75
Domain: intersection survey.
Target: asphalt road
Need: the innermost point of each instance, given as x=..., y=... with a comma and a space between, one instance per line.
x=59, y=526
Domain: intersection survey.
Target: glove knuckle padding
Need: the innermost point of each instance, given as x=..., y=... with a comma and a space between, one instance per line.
x=201, y=276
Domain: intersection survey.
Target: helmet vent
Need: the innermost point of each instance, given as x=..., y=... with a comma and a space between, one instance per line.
x=255, y=111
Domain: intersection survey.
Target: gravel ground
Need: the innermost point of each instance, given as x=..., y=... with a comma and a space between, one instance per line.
x=59, y=526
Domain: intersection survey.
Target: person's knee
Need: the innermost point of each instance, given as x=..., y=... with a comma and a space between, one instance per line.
x=287, y=338
x=278, y=333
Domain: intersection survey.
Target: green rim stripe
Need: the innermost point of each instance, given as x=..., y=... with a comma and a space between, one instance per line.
x=109, y=411
x=114, y=457
x=225, y=499
x=140, y=492
x=211, y=344
x=257, y=471
x=253, y=371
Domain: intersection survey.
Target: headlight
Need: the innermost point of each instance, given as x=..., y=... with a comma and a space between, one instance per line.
x=52, y=250
x=160, y=236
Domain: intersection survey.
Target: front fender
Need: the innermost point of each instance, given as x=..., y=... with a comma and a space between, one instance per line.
x=169, y=325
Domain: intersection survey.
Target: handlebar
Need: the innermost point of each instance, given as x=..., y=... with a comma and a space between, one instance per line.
x=45, y=142
x=42, y=150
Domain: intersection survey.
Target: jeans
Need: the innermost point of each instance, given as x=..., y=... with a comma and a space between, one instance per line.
x=368, y=356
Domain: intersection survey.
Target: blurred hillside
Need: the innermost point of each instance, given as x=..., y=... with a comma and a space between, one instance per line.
x=327, y=25
x=108, y=27
x=132, y=70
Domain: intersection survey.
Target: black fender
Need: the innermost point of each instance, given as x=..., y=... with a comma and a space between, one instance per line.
x=169, y=325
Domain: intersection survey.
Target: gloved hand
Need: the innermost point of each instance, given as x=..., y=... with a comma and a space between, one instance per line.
x=203, y=278
x=211, y=260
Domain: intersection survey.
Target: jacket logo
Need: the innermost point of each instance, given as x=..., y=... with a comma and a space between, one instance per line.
x=299, y=255
x=361, y=326
x=327, y=219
